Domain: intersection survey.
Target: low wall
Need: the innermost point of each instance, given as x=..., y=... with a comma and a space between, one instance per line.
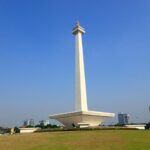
x=28, y=130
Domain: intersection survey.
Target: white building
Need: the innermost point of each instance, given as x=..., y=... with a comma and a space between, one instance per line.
x=136, y=126
x=28, y=130
x=28, y=122
x=44, y=122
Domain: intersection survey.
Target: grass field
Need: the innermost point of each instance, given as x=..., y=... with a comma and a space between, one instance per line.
x=78, y=140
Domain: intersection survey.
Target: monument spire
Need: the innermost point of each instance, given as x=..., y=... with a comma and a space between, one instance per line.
x=81, y=97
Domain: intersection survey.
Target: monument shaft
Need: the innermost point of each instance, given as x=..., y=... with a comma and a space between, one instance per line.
x=81, y=97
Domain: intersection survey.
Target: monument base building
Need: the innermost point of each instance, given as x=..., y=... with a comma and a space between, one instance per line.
x=81, y=117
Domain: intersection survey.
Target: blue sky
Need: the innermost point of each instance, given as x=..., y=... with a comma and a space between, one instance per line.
x=37, y=57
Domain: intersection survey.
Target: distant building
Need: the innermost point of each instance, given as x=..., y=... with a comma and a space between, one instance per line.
x=29, y=122
x=123, y=119
x=44, y=122
x=136, y=126
x=28, y=130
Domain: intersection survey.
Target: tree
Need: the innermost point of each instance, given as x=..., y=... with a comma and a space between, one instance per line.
x=16, y=130
x=147, y=125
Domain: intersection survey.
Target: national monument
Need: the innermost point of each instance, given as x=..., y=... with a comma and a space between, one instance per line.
x=81, y=117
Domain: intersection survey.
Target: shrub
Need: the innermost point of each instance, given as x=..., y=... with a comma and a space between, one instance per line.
x=147, y=126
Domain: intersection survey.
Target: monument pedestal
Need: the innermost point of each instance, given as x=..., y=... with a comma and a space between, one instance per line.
x=82, y=118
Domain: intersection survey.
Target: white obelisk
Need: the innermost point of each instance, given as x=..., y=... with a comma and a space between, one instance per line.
x=81, y=97
x=81, y=117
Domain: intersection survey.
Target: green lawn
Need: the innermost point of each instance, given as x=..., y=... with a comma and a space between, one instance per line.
x=79, y=140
